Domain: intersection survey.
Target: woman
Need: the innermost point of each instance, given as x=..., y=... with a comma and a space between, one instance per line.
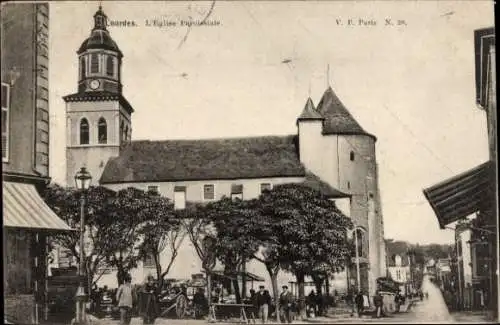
x=125, y=298
x=148, y=301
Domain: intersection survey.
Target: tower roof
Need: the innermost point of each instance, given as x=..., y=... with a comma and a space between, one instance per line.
x=309, y=112
x=338, y=120
x=99, y=37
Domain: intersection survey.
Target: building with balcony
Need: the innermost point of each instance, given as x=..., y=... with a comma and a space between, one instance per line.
x=474, y=192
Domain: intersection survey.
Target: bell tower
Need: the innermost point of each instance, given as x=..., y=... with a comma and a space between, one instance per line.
x=98, y=117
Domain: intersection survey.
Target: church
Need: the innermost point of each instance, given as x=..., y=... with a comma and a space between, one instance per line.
x=330, y=152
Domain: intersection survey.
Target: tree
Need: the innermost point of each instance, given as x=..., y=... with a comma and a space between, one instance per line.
x=235, y=242
x=202, y=235
x=161, y=231
x=65, y=202
x=309, y=230
x=130, y=209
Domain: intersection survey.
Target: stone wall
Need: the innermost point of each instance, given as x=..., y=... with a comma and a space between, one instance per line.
x=20, y=308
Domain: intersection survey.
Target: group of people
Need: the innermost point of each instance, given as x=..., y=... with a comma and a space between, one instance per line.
x=262, y=302
x=146, y=299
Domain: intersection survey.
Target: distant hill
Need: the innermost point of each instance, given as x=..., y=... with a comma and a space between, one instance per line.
x=421, y=253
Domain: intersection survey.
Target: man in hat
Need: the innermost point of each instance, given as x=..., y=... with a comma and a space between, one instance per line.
x=286, y=304
x=263, y=300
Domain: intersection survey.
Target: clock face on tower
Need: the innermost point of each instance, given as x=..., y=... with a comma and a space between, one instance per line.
x=94, y=84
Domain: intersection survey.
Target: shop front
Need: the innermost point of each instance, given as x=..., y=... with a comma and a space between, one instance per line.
x=28, y=224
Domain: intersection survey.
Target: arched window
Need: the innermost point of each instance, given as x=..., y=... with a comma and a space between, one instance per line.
x=102, y=131
x=82, y=67
x=122, y=128
x=359, y=241
x=351, y=155
x=94, y=63
x=126, y=133
x=84, y=131
x=110, y=66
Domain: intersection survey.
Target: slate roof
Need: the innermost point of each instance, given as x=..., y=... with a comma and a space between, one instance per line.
x=181, y=160
x=99, y=96
x=212, y=159
x=309, y=112
x=338, y=120
x=99, y=39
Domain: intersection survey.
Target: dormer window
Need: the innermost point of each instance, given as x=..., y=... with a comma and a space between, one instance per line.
x=84, y=131
x=94, y=63
x=351, y=155
x=110, y=66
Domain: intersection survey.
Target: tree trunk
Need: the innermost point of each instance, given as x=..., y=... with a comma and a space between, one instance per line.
x=237, y=291
x=302, y=296
x=273, y=273
x=243, y=280
x=158, y=270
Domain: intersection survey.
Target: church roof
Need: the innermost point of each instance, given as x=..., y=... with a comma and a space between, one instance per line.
x=309, y=112
x=182, y=160
x=338, y=120
x=99, y=37
x=99, y=96
x=212, y=159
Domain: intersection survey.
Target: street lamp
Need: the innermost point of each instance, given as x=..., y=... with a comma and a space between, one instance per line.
x=82, y=181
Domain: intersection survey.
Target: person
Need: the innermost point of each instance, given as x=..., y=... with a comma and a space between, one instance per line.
x=312, y=299
x=263, y=302
x=378, y=302
x=359, y=303
x=125, y=299
x=200, y=303
x=398, y=299
x=286, y=304
x=148, y=303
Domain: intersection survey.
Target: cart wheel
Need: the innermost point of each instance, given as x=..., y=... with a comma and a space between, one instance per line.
x=180, y=306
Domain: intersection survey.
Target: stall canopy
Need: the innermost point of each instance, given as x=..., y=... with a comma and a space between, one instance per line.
x=24, y=208
x=232, y=276
x=462, y=195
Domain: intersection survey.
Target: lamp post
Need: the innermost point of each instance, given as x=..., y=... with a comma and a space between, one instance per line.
x=82, y=181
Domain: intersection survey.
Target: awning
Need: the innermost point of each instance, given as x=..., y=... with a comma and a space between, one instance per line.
x=24, y=208
x=249, y=276
x=462, y=195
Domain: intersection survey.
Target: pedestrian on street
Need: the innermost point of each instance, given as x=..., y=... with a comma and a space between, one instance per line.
x=148, y=301
x=398, y=299
x=263, y=302
x=359, y=302
x=125, y=298
x=378, y=302
x=286, y=305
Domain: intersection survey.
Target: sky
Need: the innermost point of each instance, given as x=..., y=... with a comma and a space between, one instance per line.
x=410, y=83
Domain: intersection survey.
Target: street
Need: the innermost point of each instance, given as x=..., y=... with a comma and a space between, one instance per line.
x=431, y=310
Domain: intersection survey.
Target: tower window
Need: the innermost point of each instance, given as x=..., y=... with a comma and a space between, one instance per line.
x=351, y=155
x=126, y=133
x=84, y=131
x=94, y=63
x=82, y=67
x=359, y=241
x=110, y=66
x=122, y=126
x=5, y=121
x=348, y=185
x=102, y=131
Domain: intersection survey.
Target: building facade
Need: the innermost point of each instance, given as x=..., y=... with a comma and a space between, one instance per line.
x=399, y=271
x=330, y=151
x=475, y=191
x=27, y=221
